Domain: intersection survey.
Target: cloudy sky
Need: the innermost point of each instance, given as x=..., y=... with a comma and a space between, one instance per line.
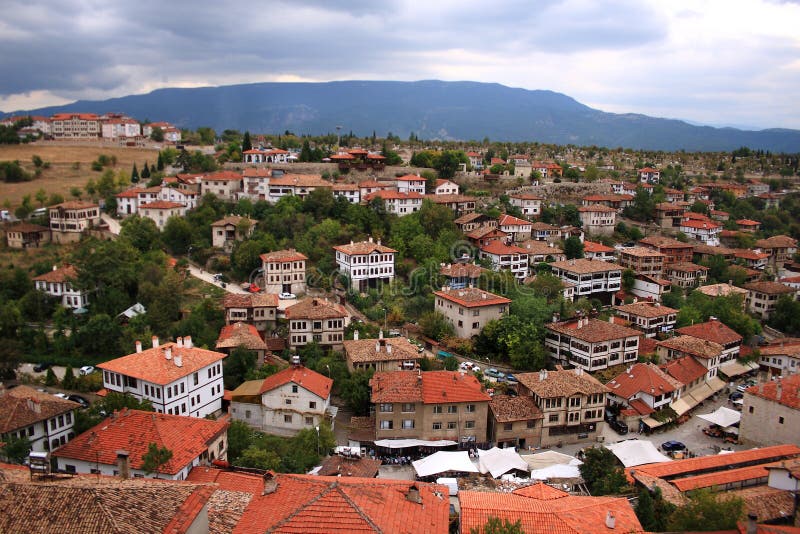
x=720, y=62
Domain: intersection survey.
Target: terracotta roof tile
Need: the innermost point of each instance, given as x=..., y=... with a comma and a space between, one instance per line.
x=498, y=248
x=60, y=275
x=685, y=370
x=134, y=430
x=646, y=309
x=591, y=246
x=349, y=467
x=153, y=366
x=505, y=408
x=769, y=288
x=663, y=242
x=510, y=220
x=283, y=255
x=74, y=205
x=319, y=385
x=364, y=247
x=386, y=194
x=721, y=290
x=486, y=230
x=233, y=220
x=702, y=348
x=685, y=267
x=472, y=297
x=388, y=349
x=251, y=300
x=788, y=387
x=642, y=378
x=584, y=266
x=596, y=208
x=561, y=383
x=23, y=406
x=461, y=270
x=26, y=228
x=535, y=246
x=162, y=205
x=315, y=308
x=713, y=330
x=640, y=252
x=222, y=176
x=430, y=387
x=777, y=241
x=709, y=480
x=240, y=335
x=300, y=180
x=593, y=330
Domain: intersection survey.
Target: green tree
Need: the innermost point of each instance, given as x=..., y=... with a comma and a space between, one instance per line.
x=356, y=391
x=16, y=449
x=145, y=171
x=41, y=197
x=573, y=248
x=207, y=135
x=177, y=235
x=50, y=379
x=449, y=162
x=495, y=525
x=141, y=232
x=68, y=382
x=786, y=316
x=157, y=134
x=707, y=510
x=134, y=175
x=160, y=162
x=436, y=326
x=653, y=511
x=239, y=438
x=602, y=472
x=155, y=458
x=451, y=363
x=258, y=458
x=100, y=336
x=237, y=365
x=247, y=144
x=628, y=279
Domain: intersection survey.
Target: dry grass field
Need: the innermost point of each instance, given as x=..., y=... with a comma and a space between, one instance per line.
x=62, y=175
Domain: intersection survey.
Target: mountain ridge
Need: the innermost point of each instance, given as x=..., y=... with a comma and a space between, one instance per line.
x=430, y=109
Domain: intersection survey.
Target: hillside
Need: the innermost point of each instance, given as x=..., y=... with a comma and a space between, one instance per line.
x=431, y=110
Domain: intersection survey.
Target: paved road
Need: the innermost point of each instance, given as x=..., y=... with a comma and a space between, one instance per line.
x=208, y=277
x=113, y=225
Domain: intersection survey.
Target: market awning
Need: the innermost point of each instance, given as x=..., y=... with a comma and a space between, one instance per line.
x=701, y=393
x=722, y=416
x=404, y=443
x=734, y=368
x=716, y=384
x=652, y=423
x=545, y=459
x=633, y=452
x=499, y=461
x=682, y=405
x=444, y=461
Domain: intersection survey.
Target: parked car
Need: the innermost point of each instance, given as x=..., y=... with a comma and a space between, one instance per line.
x=44, y=366
x=672, y=446
x=491, y=371
x=217, y=277
x=511, y=378
x=609, y=415
x=287, y=296
x=736, y=395
x=618, y=426
x=86, y=370
x=476, y=368
x=80, y=400
x=60, y=395
x=465, y=365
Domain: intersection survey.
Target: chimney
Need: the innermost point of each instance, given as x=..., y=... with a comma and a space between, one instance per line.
x=168, y=353
x=752, y=527
x=355, y=335
x=34, y=406
x=388, y=348
x=370, y=239
x=178, y=361
x=778, y=391
x=179, y=342
x=187, y=342
x=55, y=267
x=611, y=319
x=611, y=520
x=155, y=342
x=380, y=333
x=138, y=346
x=123, y=466
x=377, y=346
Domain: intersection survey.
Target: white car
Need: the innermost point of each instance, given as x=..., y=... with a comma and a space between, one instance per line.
x=86, y=370
x=287, y=296
x=60, y=395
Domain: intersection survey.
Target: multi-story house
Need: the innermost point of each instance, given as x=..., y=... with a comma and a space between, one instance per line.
x=399, y=203
x=69, y=219
x=469, y=309
x=460, y=275
x=506, y=258
x=284, y=271
x=225, y=185
x=411, y=183
x=598, y=219
x=176, y=377
x=674, y=251
x=255, y=183
x=707, y=232
x=446, y=187
x=483, y=235
x=365, y=187
x=686, y=274
x=593, y=250
x=649, y=317
x=530, y=204
x=128, y=201
x=257, y=309
x=752, y=259
x=382, y=354
x=160, y=211
x=25, y=235
x=591, y=344
x=723, y=290
x=458, y=204
x=366, y=264
x=781, y=249
x=748, y=225
x=470, y=221
x=174, y=192
x=225, y=232
x=756, y=187
x=285, y=403
x=548, y=171
x=596, y=278
x=762, y=296
x=58, y=283
x=475, y=160
x=351, y=192
x=644, y=388
x=545, y=232
x=515, y=422
x=518, y=230
x=540, y=251
x=572, y=403
x=707, y=353
x=673, y=195
x=771, y=412
x=647, y=287
x=642, y=260
x=265, y=155
x=670, y=215
x=780, y=358
x=120, y=128
x=432, y=405
x=317, y=320
x=120, y=443
x=171, y=133
x=649, y=175
x=75, y=126
x=45, y=420
x=615, y=201
x=690, y=380
x=245, y=336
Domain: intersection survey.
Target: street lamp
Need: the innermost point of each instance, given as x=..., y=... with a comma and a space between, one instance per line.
x=317, y=429
x=328, y=367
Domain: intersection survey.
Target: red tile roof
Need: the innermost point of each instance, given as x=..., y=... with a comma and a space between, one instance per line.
x=430, y=387
x=319, y=505
x=498, y=248
x=596, y=208
x=510, y=220
x=586, y=266
x=769, y=288
x=410, y=178
x=250, y=300
x=593, y=330
x=153, y=366
x=319, y=385
x=709, y=480
x=59, y=275
x=642, y=378
x=134, y=430
x=591, y=246
x=162, y=205
x=222, y=176
x=386, y=194
x=240, y=335
x=712, y=330
x=472, y=297
x=316, y=308
x=364, y=247
x=788, y=388
x=702, y=348
x=283, y=255
x=23, y=406
x=700, y=224
x=685, y=370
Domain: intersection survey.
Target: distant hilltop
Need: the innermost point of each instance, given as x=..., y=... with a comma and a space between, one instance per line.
x=429, y=110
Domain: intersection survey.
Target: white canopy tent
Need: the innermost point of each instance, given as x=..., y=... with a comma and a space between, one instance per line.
x=556, y=471
x=723, y=417
x=403, y=443
x=499, y=461
x=551, y=464
x=635, y=452
x=444, y=461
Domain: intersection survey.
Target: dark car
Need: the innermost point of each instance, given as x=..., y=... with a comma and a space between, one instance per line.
x=618, y=426
x=609, y=415
x=80, y=400
x=44, y=366
x=672, y=445
x=736, y=395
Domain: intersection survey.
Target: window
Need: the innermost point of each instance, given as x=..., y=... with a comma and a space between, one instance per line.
x=531, y=423
x=309, y=421
x=476, y=325
x=451, y=425
x=287, y=418
x=294, y=388
x=246, y=413
x=437, y=426
x=437, y=408
x=387, y=408
x=750, y=409
x=470, y=408
x=312, y=405
x=553, y=418
x=387, y=425
x=288, y=401
x=408, y=424
x=452, y=409
x=195, y=378
x=780, y=420
x=407, y=407
x=508, y=426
